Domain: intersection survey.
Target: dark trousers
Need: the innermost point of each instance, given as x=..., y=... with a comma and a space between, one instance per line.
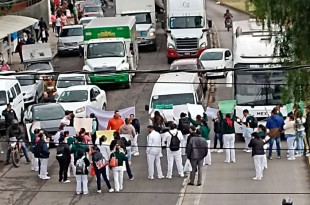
x=218, y=136
x=63, y=168
x=196, y=165
x=58, y=30
x=128, y=168
x=102, y=172
x=93, y=138
x=37, y=34
x=44, y=40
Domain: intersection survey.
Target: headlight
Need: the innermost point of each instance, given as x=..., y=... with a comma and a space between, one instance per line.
x=203, y=45
x=171, y=46
x=30, y=92
x=152, y=33
x=82, y=109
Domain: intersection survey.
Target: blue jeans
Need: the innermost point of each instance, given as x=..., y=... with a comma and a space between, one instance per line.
x=8, y=152
x=300, y=142
x=277, y=139
x=219, y=137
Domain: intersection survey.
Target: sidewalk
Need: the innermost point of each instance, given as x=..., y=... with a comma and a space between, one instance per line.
x=52, y=40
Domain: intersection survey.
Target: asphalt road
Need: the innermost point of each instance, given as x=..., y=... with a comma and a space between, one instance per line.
x=222, y=184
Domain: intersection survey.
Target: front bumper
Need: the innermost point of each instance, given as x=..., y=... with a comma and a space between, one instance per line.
x=28, y=99
x=109, y=78
x=142, y=42
x=211, y=75
x=173, y=53
x=68, y=49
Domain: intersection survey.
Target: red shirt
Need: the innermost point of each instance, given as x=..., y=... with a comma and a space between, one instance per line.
x=115, y=123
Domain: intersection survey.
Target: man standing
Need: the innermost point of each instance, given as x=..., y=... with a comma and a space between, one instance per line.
x=42, y=24
x=44, y=155
x=153, y=151
x=196, y=151
x=9, y=115
x=275, y=125
x=173, y=140
x=36, y=28
x=115, y=122
x=307, y=128
x=247, y=129
x=183, y=126
x=136, y=124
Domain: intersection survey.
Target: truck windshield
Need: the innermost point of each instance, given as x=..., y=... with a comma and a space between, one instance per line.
x=174, y=99
x=25, y=80
x=3, y=99
x=141, y=18
x=88, y=9
x=67, y=32
x=186, y=22
x=105, y=49
x=258, y=87
x=65, y=82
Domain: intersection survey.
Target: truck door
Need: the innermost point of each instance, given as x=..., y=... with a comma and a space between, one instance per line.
x=131, y=55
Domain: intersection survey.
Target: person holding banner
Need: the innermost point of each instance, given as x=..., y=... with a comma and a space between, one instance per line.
x=136, y=124
x=247, y=129
x=307, y=129
x=95, y=127
x=218, y=136
x=229, y=138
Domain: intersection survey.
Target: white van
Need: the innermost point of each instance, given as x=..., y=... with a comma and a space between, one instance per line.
x=11, y=93
x=176, y=89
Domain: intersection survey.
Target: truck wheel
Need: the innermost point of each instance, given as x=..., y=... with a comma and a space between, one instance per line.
x=170, y=60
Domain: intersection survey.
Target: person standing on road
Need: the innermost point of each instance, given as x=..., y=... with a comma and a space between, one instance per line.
x=36, y=28
x=99, y=164
x=115, y=122
x=247, y=129
x=77, y=146
x=196, y=151
x=229, y=138
x=53, y=20
x=192, y=131
x=174, y=139
x=44, y=35
x=257, y=145
x=136, y=124
x=34, y=160
x=262, y=133
x=82, y=164
x=183, y=126
x=128, y=130
x=63, y=157
x=275, y=125
x=64, y=20
x=42, y=24
x=70, y=140
x=278, y=109
x=118, y=170
x=104, y=148
x=307, y=129
x=153, y=151
x=95, y=127
x=290, y=135
x=44, y=155
x=300, y=130
x=9, y=115
x=218, y=136
x=205, y=130
x=58, y=25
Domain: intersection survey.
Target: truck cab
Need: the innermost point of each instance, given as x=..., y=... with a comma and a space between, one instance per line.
x=110, y=46
x=144, y=12
x=186, y=26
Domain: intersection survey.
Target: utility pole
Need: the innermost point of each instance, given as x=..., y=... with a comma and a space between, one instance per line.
x=75, y=16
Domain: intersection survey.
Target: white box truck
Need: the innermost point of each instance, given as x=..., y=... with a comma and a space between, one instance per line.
x=186, y=26
x=144, y=11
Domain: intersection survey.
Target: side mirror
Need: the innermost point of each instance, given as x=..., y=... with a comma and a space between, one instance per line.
x=147, y=107
x=226, y=58
x=168, y=31
x=11, y=99
x=93, y=99
x=210, y=23
x=204, y=30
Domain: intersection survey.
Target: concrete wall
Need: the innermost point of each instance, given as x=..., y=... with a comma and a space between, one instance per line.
x=41, y=9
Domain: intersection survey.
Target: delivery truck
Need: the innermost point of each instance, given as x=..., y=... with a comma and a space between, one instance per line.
x=144, y=12
x=110, y=45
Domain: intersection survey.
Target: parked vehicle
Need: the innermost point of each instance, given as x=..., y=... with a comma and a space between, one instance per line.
x=76, y=98
x=67, y=80
x=110, y=45
x=32, y=88
x=69, y=39
x=216, y=58
x=92, y=10
x=85, y=20
x=11, y=93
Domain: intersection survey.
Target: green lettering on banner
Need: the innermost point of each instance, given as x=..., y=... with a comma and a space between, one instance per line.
x=227, y=106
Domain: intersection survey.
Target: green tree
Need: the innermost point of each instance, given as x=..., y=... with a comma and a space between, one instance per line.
x=293, y=17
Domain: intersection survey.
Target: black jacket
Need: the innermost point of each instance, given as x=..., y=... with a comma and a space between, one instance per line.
x=257, y=146
x=44, y=150
x=14, y=132
x=122, y=143
x=95, y=157
x=189, y=138
x=218, y=125
x=9, y=116
x=197, y=148
x=136, y=124
x=67, y=152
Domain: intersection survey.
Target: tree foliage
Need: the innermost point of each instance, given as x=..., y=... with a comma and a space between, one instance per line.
x=293, y=17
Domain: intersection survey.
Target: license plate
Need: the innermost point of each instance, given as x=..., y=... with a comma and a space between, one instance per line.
x=187, y=54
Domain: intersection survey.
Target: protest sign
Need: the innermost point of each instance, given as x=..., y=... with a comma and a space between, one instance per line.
x=227, y=106
x=107, y=133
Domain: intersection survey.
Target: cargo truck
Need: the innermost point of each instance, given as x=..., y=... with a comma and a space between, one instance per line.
x=110, y=45
x=144, y=11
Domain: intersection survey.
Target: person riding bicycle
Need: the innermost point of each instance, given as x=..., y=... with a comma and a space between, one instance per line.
x=15, y=131
x=227, y=16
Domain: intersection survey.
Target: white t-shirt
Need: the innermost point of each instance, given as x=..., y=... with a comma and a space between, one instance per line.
x=58, y=22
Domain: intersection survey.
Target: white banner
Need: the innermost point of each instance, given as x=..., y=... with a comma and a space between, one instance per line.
x=195, y=110
x=86, y=123
x=104, y=116
x=211, y=112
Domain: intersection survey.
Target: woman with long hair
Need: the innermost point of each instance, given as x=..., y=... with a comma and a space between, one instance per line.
x=229, y=138
x=104, y=148
x=95, y=127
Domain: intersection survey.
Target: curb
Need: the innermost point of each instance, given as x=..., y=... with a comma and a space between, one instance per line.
x=239, y=10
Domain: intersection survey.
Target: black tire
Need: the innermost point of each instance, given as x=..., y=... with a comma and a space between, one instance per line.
x=170, y=60
x=15, y=156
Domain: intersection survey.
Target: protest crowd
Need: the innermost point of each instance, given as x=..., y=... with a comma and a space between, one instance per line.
x=87, y=153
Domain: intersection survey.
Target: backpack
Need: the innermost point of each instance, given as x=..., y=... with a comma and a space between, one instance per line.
x=60, y=151
x=254, y=122
x=37, y=151
x=99, y=160
x=184, y=125
x=80, y=166
x=174, y=142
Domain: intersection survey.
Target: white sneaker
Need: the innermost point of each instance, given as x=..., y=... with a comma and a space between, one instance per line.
x=45, y=178
x=182, y=175
x=78, y=193
x=213, y=150
x=291, y=158
x=245, y=150
x=298, y=155
x=257, y=179
x=98, y=191
x=67, y=181
x=169, y=177
x=85, y=193
x=136, y=154
x=226, y=162
x=220, y=151
x=111, y=190
x=248, y=151
x=151, y=178
x=308, y=154
x=161, y=177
